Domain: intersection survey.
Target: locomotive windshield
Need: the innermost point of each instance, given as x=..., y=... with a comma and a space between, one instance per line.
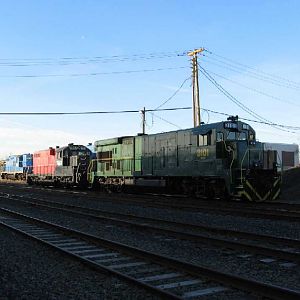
x=240, y=136
x=231, y=130
x=237, y=136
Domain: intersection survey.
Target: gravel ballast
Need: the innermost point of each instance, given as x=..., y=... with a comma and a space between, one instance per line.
x=30, y=270
x=221, y=259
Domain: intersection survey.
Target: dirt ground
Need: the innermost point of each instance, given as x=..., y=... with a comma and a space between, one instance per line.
x=291, y=186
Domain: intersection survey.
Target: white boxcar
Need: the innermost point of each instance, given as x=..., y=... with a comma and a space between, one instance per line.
x=287, y=154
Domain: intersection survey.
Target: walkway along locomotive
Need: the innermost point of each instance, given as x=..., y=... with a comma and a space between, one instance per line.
x=219, y=160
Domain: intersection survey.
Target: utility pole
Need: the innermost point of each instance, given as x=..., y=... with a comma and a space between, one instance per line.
x=143, y=112
x=196, y=98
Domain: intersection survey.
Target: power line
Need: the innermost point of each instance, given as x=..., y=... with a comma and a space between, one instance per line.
x=23, y=62
x=253, y=89
x=156, y=116
x=167, y=100
x=94, y=73
x=235, y=100
x=253, y=68
x=174, y=94
x=251, y=120
x=252, y=74
x=90, y=112
x=146, y=110
x=228, y=95
x=153, y=54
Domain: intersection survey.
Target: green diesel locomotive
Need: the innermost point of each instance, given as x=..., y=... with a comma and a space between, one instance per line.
x=218, y=160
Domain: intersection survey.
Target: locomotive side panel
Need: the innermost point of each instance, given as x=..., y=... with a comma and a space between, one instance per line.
x=17, y=167
x=214, y=160
x=44, y=162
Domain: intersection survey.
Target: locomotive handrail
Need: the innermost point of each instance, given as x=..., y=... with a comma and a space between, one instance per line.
x=77, y=171
x=242, y=161
x=91, y=163
x=229, y=149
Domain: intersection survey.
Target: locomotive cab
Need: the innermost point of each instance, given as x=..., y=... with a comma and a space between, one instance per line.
x=252, y=171
x=72, y=163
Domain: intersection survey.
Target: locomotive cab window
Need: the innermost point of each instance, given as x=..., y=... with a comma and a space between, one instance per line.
x=220, y=136
x=242, y=136
x=204, y=139
x=231, y=135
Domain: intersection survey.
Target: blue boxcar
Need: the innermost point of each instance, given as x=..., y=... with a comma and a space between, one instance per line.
x=17, y=166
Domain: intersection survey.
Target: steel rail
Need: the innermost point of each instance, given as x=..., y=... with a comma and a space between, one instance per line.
x=290, y=216
x=249, y=285
x=257, y=249
x=284, y=211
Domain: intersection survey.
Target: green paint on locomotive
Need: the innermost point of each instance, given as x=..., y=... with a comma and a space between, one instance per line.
x=213, y=159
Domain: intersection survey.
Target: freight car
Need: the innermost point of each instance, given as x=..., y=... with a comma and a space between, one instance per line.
x=17, y=167
x=217, y=160
x=61, y=166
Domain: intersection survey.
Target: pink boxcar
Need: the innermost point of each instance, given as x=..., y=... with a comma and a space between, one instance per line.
x=44, y=162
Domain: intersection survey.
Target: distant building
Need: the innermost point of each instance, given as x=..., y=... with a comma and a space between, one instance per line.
x=287, y=154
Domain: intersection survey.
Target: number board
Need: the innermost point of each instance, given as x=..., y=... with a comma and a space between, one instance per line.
x=77, y=148
x=202, y=153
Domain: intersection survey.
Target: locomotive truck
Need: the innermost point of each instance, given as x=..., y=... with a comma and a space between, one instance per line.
x=218, y=160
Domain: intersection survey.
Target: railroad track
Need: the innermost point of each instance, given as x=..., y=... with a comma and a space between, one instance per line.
x=274, y=211
x=279, y=248
x=166, y=277
x=270, y=210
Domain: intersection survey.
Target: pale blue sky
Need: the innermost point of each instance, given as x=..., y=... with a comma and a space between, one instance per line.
x=261, y=34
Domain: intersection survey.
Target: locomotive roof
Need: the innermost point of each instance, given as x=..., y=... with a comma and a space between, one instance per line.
x=76, y=147
x=203, y=129
x=18, y=155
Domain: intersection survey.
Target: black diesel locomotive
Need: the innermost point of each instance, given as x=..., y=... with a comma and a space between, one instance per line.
x=62, y=166
x=218, y=160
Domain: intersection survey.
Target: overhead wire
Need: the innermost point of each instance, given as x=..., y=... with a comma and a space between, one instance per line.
x=234, y=99
x=146, y=110
x=252, y=68
x=92, y=112
x=94, y=73
x=86, y=60
x=253, y=89
x=251, y=74
x=174, y=94
x=251, y=120
x=223, y=62
x=173, y=124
